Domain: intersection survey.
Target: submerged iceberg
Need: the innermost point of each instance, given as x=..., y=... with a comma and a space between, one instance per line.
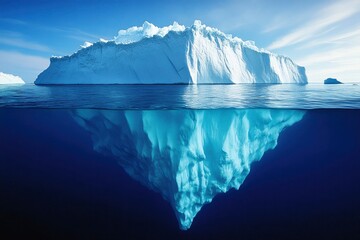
x=10, y=79
x=170, y=55
x=188, y=156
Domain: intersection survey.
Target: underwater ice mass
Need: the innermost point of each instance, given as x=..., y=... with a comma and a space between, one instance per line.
x=189, y=156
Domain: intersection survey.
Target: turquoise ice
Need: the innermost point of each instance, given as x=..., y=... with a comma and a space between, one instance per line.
x=188, y=156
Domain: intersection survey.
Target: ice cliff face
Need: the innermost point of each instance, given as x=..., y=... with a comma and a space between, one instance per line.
x=189, y=156
x=168, y=55
x=10, y=79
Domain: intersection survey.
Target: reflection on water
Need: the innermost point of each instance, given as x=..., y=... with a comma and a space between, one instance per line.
x=289, y=96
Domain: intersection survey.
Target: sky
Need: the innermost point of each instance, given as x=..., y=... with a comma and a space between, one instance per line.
x=323, y=36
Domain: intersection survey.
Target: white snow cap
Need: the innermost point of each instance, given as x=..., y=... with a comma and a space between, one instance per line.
x=86, y=45
x=147, y=30
x=10, y=79
x=173, y=54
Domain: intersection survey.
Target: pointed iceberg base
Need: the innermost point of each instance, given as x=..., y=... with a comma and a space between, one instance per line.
x=189, y=156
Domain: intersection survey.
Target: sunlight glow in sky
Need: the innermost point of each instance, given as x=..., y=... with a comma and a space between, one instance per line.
x=323, y=36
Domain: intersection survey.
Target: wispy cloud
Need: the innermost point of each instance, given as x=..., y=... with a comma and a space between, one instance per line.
x=278, y=22
x=27, y=66
x=13, y=21
x=69, y=32
x=274, y=26
x=81, y=35
x=334, y=55
x=334, y=13
x=345, y=72
x=340, y=60
x=230, y=15
x=338, y=38
x=73, y=33
x=30, y=61
x=21, y=43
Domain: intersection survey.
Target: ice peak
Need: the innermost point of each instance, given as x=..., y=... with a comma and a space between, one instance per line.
x=86, y=45
x=197, y=23
x=147, y=30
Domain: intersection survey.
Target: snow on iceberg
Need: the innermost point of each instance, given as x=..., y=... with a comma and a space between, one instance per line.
x=147, y=30
x=189, y=156
x=10, y=79
x=169, y=55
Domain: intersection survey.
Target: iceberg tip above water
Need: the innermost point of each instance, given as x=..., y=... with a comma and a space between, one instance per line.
x=169, y=55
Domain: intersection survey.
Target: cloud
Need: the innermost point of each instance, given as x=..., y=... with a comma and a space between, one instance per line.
x=81, y=34
x=229, y=15
x=26, y=66
x=334, y=55
x=29, y=66
x=18, y=42
x=280, y=21
x=327, y=17
x=69, y=32
x=13, y=21
x=327, y=43
x=341, y=62
x=338, y=38
x=73, y=33
x=274, y=26
x=346, y=73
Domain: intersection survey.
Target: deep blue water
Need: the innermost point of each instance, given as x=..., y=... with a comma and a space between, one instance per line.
x=55, y=186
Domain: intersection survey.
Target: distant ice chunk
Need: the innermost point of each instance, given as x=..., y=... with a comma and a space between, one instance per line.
x=10, y=79
x=332, y=81
x=189, y=156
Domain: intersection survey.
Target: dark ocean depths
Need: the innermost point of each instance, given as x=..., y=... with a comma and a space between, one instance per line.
x=54, y=185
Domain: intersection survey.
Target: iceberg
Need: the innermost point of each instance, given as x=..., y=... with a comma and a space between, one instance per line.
x=332, y=81
x=188, y=156
x=10, y=79
x=173, y=54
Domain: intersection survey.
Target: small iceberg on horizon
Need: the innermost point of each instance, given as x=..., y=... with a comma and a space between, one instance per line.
x=332, y=81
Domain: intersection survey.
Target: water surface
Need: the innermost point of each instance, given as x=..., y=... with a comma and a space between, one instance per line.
x=145, y=97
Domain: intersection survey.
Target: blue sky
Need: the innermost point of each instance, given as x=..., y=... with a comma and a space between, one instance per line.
x=323, y=36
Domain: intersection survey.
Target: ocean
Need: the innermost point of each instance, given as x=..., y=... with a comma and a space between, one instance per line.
x=68, y=168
